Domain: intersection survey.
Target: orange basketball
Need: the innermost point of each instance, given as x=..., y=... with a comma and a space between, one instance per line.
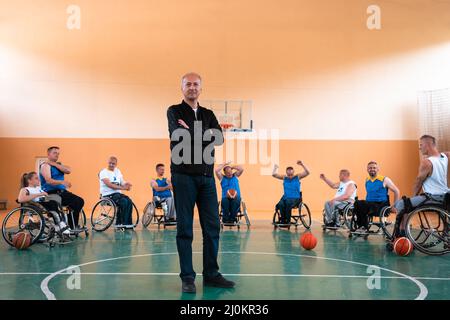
x=21, y=240
x=308, y=241
x=402, y=246
x=231, y=193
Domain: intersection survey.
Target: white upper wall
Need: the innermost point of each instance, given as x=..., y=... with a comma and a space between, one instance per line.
x=312, y=68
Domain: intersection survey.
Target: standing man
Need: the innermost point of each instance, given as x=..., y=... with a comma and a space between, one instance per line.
x=194, y=131
x=52, y=181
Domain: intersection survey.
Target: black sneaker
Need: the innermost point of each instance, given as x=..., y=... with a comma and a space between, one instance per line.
x=188, y=286
x=218, y=281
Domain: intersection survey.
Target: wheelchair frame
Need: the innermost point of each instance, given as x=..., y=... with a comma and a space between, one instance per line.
x=106, y=201
x=381, y=224
x=344, y=216
x=295, y=218
x=152, y=215
x=46, y=229
x=444, y=238
x=242, y=213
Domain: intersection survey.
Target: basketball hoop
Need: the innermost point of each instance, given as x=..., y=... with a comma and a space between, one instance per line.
x=226, y=126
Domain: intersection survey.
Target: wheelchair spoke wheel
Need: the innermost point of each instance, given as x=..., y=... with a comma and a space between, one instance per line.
x=305, y=215
x=82, y=219
x=427, y=228
x=276, y=219
x=244, y=213
x=103, y=214
x=347, y=216
x=23, y=219
x=387, y=222
x=148, y=214
x=135, y=215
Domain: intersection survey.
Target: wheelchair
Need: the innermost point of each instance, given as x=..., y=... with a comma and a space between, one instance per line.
x=381, y=223
x=427, y=227
x=299, y=213
x=242, y=214
x=104, y=213
x=344, y=217
x=33, y=218
x=155, y=213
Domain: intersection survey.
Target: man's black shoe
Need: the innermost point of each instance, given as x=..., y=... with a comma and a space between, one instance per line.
x=188, y=286
x=218, y=281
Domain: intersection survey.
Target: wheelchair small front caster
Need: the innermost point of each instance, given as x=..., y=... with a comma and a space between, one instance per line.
x=389, y=247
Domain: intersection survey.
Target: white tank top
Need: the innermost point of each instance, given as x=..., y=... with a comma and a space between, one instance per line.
x=343, y=187
x=35, y=190
x=437, y=182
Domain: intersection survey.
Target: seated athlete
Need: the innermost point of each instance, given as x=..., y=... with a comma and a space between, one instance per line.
x=292, y=195
x=31, y=191
x=377, y=188
x=111, y=185
x=431, y=179
x=53, y=181
x=345, y=194
x=162, y=190
x=230, y=203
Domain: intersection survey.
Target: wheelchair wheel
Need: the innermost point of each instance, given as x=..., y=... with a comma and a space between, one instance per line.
x=23, y=219
x=148, y=214
x=276, y=219
x=81, y=224
x=387, y=222
x=305, y=215
x=135, y=214
x=82, y=220
x=48, y=232
x=245, y=214
x=347, y=216
x=103, y=214
x=428, y=230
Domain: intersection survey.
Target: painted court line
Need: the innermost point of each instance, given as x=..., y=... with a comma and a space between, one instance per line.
x=281, y=275
x=50, y=296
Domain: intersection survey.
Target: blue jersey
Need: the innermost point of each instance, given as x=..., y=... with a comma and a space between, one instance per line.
x=376, y=192
x=230, y=183
x=291, y=188
x=162, y=182
x=55, y=174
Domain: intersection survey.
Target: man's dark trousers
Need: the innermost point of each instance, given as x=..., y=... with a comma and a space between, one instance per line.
x=188, y=191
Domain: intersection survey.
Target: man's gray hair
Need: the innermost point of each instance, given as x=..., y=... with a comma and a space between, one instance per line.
x=191, y=74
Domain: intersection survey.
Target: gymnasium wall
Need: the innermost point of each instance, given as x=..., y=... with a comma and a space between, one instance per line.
x=138, y=157
x=338, y=93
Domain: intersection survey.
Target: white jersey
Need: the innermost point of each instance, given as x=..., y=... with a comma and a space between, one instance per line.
x=115, y=177
x=436, y=184
x=35, y=190
x=343, y=188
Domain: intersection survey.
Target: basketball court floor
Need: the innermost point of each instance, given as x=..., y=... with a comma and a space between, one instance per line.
x=265, y=263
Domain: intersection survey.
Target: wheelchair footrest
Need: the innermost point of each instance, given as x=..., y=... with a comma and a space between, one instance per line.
x=330, y=227
x=170, y=223
x=282, y=225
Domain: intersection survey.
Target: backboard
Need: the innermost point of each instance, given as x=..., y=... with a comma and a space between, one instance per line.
x=233, y=115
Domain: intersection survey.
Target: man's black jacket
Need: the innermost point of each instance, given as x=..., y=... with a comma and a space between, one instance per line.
x=208, y=120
